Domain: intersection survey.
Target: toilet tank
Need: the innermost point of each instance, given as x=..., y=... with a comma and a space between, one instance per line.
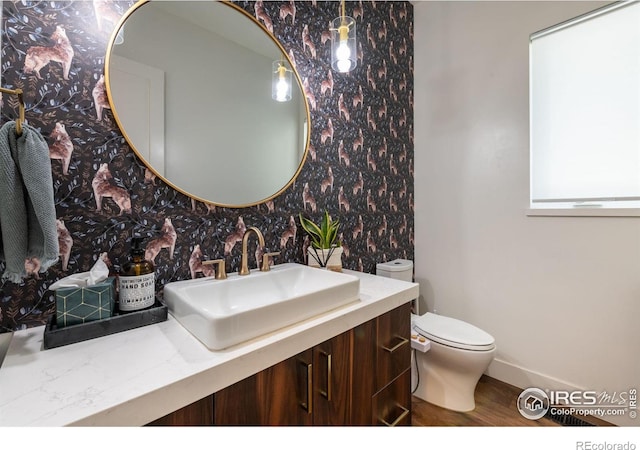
x=400, y=269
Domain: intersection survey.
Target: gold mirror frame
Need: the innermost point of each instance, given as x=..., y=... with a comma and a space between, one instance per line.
x=284, y=55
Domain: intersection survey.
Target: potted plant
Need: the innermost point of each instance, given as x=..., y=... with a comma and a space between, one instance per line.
x=325, y=249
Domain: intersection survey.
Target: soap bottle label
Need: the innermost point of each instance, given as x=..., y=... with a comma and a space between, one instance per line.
x=137, y=292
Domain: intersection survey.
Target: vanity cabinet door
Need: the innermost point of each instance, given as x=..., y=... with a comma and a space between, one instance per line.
x=285, y=395
x=332, y=380
x=279, y=395
x=195, y=414
x=364, y=373
x=236, y=404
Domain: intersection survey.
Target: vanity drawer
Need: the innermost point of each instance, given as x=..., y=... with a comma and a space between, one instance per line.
x=393, y=348
x=392, y=405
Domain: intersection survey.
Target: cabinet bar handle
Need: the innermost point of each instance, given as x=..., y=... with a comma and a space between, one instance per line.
x=308, y=406
x=405, y=411
x=402, y=342
x=327, y=393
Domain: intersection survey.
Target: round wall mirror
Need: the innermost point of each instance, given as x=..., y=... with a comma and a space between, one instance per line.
x=190, y=86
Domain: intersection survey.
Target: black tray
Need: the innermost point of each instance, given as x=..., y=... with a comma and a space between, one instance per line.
x=55, y=336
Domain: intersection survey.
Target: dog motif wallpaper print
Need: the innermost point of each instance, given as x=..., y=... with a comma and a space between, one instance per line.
x=359, y=166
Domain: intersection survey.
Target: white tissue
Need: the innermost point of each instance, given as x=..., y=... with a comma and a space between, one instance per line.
x=99, y=272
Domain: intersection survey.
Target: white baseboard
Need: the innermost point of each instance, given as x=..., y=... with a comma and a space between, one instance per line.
x=524, y=378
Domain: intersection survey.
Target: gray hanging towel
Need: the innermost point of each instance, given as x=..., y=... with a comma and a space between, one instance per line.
x=27, y=209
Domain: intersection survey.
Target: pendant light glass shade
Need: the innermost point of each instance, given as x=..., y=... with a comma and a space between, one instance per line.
x=281, y=82
x=120, y=36
x=344, y=57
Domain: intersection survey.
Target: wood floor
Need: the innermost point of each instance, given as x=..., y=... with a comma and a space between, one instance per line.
x=495, y=406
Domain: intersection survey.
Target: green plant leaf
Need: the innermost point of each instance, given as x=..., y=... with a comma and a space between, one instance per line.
x=323, y=236
x=312, y=230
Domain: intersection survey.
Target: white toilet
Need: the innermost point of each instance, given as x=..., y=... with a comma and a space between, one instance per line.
x=447, y=374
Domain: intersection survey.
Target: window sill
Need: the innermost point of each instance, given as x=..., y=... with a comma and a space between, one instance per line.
x=584, y=212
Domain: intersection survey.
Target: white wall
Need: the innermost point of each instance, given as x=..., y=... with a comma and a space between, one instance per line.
x=561, y=295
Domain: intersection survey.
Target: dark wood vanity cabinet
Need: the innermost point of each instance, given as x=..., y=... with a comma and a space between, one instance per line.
x=360, y=377
x=199, y=413
x=310, y=388
x=381, y=388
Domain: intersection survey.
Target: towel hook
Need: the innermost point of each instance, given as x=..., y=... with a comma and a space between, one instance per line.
x=20, y=120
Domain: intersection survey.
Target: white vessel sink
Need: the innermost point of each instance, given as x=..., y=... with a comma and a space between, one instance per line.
x=222, y=313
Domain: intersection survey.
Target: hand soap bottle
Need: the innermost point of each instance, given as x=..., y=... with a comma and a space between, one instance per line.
x=137, y=280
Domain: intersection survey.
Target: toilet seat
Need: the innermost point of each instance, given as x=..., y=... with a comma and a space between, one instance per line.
x=453, y=332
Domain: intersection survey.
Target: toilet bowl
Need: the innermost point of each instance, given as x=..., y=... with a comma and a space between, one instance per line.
x=447, y=374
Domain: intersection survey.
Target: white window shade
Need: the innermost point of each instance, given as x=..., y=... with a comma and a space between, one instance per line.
x=585, y=110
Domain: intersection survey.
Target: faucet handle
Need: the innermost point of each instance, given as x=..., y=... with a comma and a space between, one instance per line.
x=265, y=261
x=221, y=271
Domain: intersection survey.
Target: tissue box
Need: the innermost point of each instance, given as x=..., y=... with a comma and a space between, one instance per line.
x=80, y=305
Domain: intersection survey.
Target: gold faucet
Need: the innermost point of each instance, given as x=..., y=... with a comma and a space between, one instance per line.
x=244, y=266
x=266, y=267
x=221, y=273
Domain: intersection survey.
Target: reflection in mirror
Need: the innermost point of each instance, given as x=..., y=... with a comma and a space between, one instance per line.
x=190, y=88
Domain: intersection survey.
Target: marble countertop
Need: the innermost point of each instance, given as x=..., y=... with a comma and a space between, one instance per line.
x=137, y=376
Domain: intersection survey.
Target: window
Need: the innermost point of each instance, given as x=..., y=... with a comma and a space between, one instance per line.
x=585, y=111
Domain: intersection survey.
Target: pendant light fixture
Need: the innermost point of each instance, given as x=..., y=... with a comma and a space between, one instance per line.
x=120, y=36
x=343, y=42
x=281, y=82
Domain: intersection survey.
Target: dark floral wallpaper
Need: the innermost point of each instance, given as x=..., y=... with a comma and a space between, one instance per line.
x=359, y=167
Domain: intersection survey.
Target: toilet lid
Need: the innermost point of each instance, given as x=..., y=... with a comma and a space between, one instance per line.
x=453, y=332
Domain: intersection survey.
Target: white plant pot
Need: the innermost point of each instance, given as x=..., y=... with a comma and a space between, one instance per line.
x=334, y=261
